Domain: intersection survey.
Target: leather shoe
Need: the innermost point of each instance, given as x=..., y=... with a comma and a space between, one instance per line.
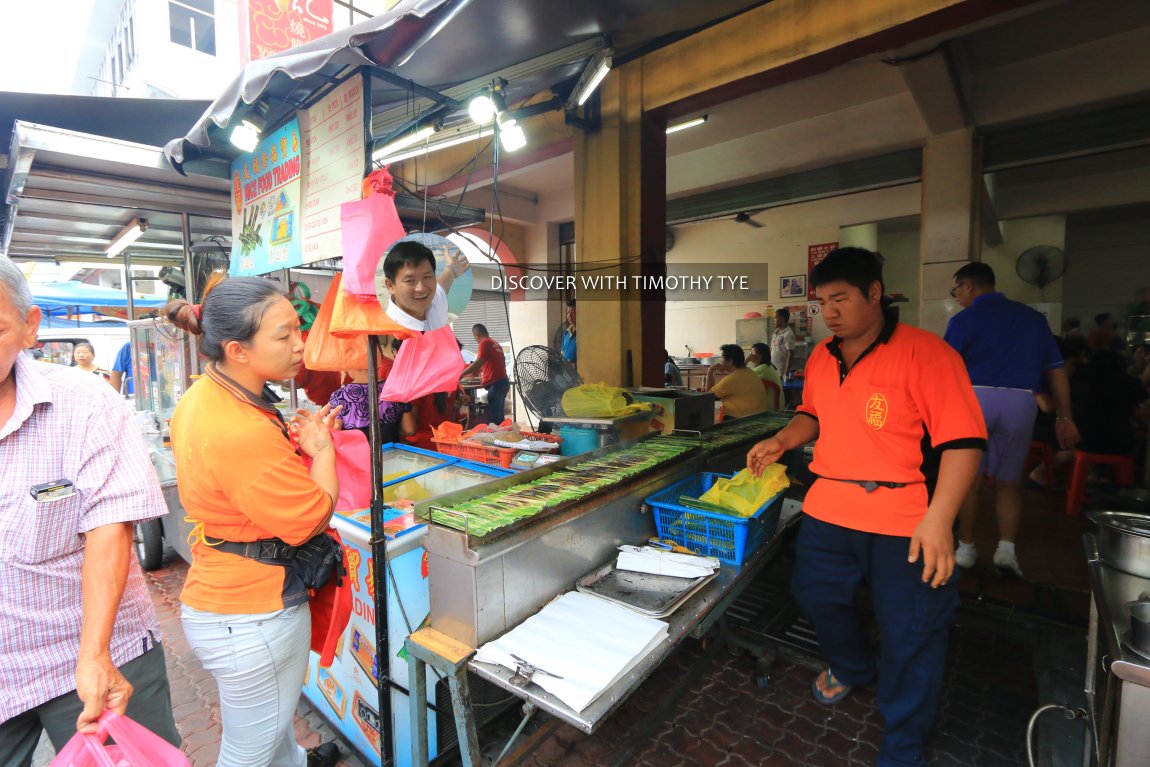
x=323, y=755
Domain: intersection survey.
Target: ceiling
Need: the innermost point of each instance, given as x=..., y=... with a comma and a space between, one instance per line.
x=1047, y=73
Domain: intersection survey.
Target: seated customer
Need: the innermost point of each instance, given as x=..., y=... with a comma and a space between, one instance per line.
x=741, y=391
x=672, y=376
x=1106, y=403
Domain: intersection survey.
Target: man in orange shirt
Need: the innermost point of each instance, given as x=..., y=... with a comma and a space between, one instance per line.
x=883, y=402
x=492, y=365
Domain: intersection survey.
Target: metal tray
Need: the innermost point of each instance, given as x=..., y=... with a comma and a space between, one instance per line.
x=656, y=596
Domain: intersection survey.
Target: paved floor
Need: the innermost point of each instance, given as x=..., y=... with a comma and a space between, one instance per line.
x=704, y=707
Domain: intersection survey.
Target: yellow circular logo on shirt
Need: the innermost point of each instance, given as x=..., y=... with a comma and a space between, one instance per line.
x=876, y=411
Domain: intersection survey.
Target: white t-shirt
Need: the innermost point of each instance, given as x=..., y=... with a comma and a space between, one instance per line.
x=436, y=313
x=782, y=342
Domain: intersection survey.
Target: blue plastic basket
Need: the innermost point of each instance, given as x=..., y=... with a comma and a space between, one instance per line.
x=729, y=539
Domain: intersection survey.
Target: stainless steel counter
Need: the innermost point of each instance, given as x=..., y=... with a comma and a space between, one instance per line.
x=1117, y=678
x=692, y=619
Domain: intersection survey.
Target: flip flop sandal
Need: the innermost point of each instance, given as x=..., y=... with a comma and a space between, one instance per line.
x=829, y=682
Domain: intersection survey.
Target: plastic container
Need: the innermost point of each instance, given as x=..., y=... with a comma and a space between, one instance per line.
x=578, y=440
x=729, y=539
x=490, y=455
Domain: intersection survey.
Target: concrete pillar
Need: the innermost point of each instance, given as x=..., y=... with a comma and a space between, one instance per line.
x=950, y=225
x=859, y=236
x=620, y=222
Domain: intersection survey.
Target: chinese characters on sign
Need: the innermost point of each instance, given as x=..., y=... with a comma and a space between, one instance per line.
x=271, y=26
x=265, y=205
x=333, y=139
x=815, y=255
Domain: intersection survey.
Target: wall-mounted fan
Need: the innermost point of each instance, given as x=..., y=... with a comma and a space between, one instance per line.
x=1041, y=265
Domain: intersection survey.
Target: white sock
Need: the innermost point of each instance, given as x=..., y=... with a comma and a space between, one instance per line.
x=1006, y=547
x=964, y=546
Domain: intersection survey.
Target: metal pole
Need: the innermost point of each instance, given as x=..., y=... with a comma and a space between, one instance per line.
x=129, y=285
x=379, y=554
x=190, y=295
x=378, y=540
x=293, y=391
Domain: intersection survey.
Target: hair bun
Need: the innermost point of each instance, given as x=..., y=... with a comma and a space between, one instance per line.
x=184, y=316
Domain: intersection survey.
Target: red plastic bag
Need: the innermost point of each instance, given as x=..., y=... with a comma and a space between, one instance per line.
x=136, y=746
x=353, y=467
x=426, y=363
x=324, y=351
x=368, y=227
x=330, y=608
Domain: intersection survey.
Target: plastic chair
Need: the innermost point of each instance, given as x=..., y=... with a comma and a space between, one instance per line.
x=775, y=392
x=1123, y=467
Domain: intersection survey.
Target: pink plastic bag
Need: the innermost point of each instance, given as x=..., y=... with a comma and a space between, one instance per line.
x=369, y=227
x=136, y=746
x=425, y=364
x=353, y=467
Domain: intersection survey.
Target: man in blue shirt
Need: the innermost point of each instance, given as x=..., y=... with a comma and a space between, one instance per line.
x=122, y=379
x=568, y=348
x=1007, y=348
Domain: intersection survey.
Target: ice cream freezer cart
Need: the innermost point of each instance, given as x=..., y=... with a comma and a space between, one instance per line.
x=346, y=693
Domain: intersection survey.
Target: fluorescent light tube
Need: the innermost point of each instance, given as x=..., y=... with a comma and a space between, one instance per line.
x=461, y=138
x=686, y=124
x=126, y=237
x=593, y=83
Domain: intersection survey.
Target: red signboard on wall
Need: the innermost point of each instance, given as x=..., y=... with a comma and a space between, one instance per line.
x=815, y=255
x=271, y=26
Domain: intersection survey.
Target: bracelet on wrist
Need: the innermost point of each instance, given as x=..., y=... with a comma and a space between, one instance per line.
x=1064, y=418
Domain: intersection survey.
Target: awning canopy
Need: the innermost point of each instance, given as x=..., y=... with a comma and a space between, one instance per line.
x=431, y=56
x=74, y=297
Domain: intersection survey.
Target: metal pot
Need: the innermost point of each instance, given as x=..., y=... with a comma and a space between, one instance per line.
x=1124, y=540
x=1140, y=626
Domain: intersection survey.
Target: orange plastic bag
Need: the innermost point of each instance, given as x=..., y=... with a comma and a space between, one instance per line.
x=324, y=351
x=356, y=316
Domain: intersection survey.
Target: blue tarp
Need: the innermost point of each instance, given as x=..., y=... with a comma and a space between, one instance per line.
x=80, y=298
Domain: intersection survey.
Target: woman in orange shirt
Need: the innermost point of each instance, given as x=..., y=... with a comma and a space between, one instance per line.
x=243, y=479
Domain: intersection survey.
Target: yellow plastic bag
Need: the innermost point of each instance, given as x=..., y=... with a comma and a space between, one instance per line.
x=600, y=401
x=743, y=493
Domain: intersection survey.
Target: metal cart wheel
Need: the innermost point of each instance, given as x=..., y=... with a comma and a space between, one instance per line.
x=149, y=540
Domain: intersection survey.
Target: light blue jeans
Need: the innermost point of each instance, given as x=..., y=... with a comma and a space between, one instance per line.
x=259, y=662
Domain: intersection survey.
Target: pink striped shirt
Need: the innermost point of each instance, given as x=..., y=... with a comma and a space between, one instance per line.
x=66, y=425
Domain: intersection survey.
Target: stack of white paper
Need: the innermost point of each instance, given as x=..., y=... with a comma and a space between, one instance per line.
x=582, y=645
x=645, y=559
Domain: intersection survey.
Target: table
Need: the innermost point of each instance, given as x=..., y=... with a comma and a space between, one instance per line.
x=695, y=618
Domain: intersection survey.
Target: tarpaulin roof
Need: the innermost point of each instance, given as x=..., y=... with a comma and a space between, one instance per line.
x=450, y=48
x=81, y=298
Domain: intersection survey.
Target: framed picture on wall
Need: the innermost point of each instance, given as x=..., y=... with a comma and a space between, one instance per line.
x=794, y=286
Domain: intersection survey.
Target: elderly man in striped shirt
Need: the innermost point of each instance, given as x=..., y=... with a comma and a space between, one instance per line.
x=78, y=634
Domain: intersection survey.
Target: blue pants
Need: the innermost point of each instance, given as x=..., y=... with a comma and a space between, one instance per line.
x=913, y=619
x=496, y=399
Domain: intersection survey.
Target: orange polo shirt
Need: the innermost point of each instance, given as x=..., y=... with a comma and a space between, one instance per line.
x=872, y=422
x=239, y=474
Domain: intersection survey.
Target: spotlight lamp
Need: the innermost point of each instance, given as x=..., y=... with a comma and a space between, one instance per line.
x=511, y=136
x=481, y=109
x=246, y=135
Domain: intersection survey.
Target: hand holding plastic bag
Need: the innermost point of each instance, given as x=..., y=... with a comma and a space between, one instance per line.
x=136, y=746
x=744, y=494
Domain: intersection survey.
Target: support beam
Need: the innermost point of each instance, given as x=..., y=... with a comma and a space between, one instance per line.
x=933, y=85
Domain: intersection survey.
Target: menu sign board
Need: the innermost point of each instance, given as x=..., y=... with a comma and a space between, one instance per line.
x=333, y=131
x=815, y=256
x=266, y=186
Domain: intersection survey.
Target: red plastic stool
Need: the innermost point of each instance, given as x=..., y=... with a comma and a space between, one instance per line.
x=1041, y=453
x=1123, y=467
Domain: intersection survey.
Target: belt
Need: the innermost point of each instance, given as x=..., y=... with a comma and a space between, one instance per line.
x=870, y=485
x=269, y=550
